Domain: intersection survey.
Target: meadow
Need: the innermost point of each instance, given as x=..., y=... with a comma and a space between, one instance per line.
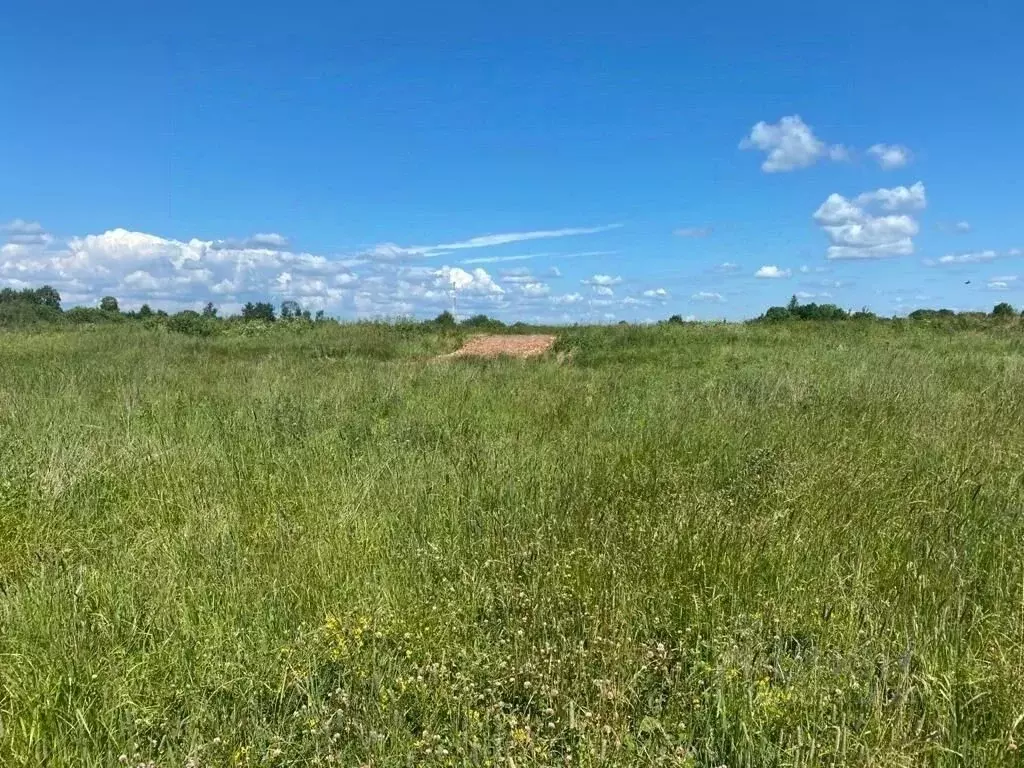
x=797, y=544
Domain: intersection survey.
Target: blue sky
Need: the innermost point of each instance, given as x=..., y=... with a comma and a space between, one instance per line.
x=581, y=162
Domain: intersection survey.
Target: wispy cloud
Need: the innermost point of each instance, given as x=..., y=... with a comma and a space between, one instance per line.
x=391, y=251
x=693, y=231
x=503, y=259
x=974, y=257
x=707, y=296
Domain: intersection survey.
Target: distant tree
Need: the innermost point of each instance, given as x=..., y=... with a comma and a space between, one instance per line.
x=793, y=304
x=1003, y=310
x=209, y=311
x=261, y=310
x=482, y=321
x=775, y=314
x=290, y=309
x=145, y=311
x=676, y=320
x=319, y=316
x=109, y=304
x=87, y=315
x=446, y=320
x=191, y=323
x=49, y=297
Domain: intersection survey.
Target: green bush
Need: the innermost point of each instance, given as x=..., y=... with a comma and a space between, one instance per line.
x=191, y=323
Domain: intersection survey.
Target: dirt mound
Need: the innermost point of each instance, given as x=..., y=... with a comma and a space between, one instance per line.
x=514, y=346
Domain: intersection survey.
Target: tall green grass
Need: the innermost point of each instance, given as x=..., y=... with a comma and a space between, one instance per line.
x=686, y=546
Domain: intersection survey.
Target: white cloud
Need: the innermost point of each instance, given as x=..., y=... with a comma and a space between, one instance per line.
x=693, y=231
x=727, y=266
x=707, y=296
x=167, y=273
x=602, y=280
x=770, y=271
x=837, y=210
x=805, y=295
x=856, y=233
x=998, y=285
x=656, y=293
x=268, y=241
x=477, y=281
x=912, y=197
x=534, y=290
x=974, y=257
x=567, y=298
x=962, y=227
x=890, y=156
x=790, y=144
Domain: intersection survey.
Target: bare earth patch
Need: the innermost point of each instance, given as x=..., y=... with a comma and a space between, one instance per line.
x=514, y=346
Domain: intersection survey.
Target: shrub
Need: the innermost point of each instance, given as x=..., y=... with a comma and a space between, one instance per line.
x=1003, y=310
x=191, y=324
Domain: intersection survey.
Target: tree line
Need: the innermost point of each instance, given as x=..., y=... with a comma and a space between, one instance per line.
x=794, y=310
x=42, y=306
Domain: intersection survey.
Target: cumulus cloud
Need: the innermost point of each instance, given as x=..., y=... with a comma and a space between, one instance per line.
x=534, y=290
x=770, y=271
x=476, y=281
x=857, y=233
x=567, y=298
x=707, y=296
x=727, y=266
x=890, y=156
x=790, y=144
x=896, y=198
x=173, y=274
x=693, y=231
x=602, y=280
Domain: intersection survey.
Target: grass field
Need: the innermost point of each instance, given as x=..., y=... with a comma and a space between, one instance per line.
x=794, y=545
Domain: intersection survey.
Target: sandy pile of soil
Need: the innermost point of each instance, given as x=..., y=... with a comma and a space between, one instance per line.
x=514, y=346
